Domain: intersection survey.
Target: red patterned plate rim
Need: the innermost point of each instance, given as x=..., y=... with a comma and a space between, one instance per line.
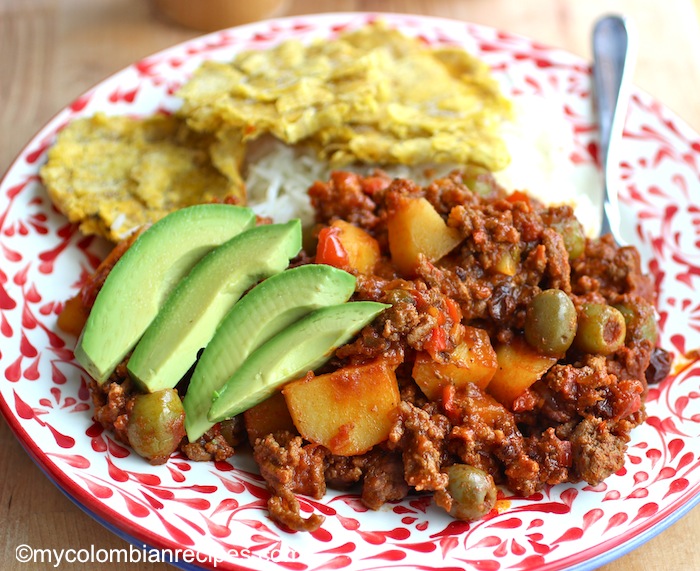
x=213, y=508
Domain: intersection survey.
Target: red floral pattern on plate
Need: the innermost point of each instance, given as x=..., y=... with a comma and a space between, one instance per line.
x=219, y=509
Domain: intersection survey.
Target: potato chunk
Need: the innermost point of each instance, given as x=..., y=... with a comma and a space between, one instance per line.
x=519, y=366
x=271, y=415
x=349, y=410
x=507, y=263
x=473, y=360
x=347, y=247
x=416, y=228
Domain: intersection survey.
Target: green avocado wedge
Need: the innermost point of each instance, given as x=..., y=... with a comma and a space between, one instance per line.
x=193, y=311
x=139, y=283
x=266, y=310
x=298, y=349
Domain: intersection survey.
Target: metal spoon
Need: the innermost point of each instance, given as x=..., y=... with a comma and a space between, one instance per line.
x=613, y=49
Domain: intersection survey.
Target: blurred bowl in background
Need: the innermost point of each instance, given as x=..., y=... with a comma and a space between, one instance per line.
x=210, y=15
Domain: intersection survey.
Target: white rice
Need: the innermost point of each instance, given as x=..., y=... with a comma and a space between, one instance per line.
x=118, y=222
x=277, y=180
x=540, y=142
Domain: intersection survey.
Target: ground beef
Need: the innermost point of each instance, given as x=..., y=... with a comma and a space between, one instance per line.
x=597, y=452
x=420, y=436
x=557, y=271
x=289, y=467
x=566, y=391
x=553, y=456
x=450, y=191
x=383, y=479
x=212, y=445
x=344, y=471
x=610, y=270
x=112, y=402
x=349, y=196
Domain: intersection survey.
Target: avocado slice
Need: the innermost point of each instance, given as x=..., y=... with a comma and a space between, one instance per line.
x=267, y=309
x=144, y=276
x=194, y=309
x=300, y=348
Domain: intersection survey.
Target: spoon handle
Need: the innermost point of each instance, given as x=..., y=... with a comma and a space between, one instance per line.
x=613, y=46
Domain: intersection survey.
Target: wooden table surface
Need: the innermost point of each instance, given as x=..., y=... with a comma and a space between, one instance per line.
x=53, y=50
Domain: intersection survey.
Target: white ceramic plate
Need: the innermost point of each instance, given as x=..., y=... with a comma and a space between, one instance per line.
x=218, y=510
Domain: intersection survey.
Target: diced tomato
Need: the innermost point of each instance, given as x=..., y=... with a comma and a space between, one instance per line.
x=449, y=405
x=437, y=341
x=628, y=400
x=453, y=310
x=373, y=184
x=330, y=249
x=518, y=196
x=421, y=302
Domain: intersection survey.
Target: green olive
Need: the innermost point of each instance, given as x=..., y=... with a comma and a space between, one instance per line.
x=601, y=329
x=472, y=490
x=232, y=429
x=399, y=296
x=640, y=321
x=156, y=425
x=550, y=322
x=479, y=180
x=574, y=237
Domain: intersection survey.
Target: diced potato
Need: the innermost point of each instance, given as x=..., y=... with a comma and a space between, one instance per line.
x=362, y=249
x=415, y=228
x=507, y=263
x=473, y=360
x=519, y=366
x=269, y=416
x=349, y=410
x=74, y=315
